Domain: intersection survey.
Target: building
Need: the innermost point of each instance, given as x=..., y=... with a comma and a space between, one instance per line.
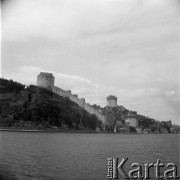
x=106, y=115
x=45, y=80
x=112, y=101
x=109, y=121
x=132, y=121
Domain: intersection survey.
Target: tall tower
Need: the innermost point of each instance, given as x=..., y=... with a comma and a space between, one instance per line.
x=45, y=80
x=112, y=101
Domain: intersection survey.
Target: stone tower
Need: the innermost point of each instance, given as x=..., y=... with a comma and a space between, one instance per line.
x=112, y=101
x=45, y=80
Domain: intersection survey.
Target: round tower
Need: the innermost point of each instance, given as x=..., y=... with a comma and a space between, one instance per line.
x=112, y=101
x=45, y=80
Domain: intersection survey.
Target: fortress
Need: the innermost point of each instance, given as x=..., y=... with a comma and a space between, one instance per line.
x=105, y=115
x=112, y=101
x=46, y=80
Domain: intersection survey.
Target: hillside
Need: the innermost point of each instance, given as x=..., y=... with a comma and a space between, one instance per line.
x=33, y=107
x=40, y=108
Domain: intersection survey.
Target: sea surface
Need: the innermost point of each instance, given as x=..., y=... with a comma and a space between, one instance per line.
x=79, y=156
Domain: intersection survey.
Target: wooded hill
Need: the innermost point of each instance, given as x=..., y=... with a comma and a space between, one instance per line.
x=39, y=107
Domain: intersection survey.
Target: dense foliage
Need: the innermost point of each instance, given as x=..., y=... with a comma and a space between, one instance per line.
x=146, y=122
x=45, y=108
x=11, y=85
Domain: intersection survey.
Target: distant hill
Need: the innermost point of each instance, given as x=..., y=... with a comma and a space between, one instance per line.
x=38, y=107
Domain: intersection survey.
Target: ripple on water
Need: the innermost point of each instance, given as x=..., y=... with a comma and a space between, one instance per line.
x=81, y=156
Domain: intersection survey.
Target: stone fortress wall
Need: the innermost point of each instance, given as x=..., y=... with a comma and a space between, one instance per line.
x=46, y=80
x=112, y=101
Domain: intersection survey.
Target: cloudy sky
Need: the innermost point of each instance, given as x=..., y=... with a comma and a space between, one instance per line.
x=127, y=48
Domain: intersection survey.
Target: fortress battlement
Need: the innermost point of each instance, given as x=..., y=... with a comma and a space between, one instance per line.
x=112, y=101
x=106, y=116
x=46, y=80
x=111, y=97
x=46, y=74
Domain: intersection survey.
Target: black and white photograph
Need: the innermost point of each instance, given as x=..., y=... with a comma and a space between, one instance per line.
x=90, y=89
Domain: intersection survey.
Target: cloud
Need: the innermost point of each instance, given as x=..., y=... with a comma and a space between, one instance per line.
x=28, y=74
x=172, y=100
x=71, y=19
x=73, y=78
x=78, y=85
x=128, y=48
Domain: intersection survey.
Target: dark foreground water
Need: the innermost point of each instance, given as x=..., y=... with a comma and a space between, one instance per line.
x=80, y=156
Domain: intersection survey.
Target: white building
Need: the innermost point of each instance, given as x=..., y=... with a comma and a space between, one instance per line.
x=132, y=121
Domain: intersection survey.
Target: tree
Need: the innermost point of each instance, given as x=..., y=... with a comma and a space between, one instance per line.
x=77, y=119
x=132, y=129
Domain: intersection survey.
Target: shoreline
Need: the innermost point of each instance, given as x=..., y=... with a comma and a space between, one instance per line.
x=68, y=131
x=18, y=129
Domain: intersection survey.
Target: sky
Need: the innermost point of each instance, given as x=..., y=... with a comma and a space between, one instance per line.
x=96, y=48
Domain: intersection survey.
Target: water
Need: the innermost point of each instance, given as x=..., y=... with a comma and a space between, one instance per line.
x=78, y=156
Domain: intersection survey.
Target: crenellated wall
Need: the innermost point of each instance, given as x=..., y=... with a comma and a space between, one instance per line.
x=81, y=102
x=47, y=80
x=78, y=101
x=60, y=91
